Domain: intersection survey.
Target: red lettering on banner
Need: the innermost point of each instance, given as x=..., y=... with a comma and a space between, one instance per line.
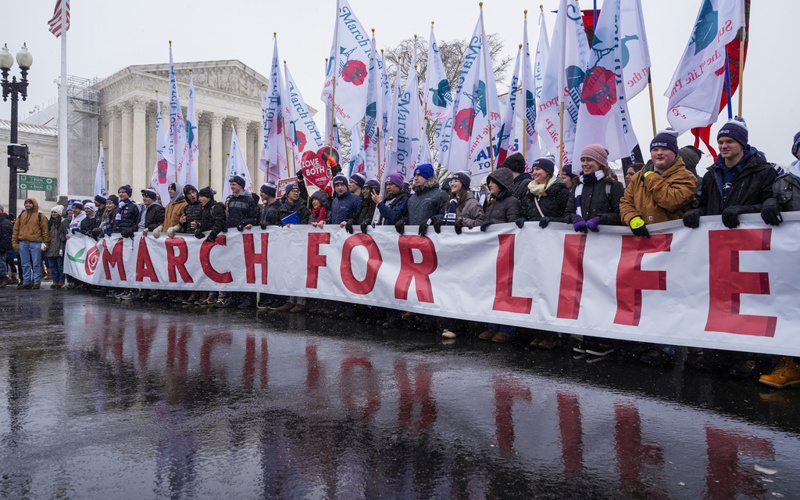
x=726, y=283
x=145, y=333
x=631, y=280
x=507, y=391
x=253, y=258
x=503, y=298
x=177, y=262
x=144, y=264
x=417, y=271
x=114, y=259
x=571, y=288
x=208, y=345
x=205, y=261
x=314, y=259
x=633, y=456
x=569, y=422
x=249, y=368
x=177, y=353
x=365, y=402
x=726, y=477
x=418, y=393
x=374, y=262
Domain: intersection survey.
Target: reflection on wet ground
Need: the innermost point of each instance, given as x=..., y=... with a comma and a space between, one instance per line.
x=101, y=399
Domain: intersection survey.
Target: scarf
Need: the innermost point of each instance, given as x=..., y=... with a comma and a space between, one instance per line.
x=586, y=179
x=539, y=190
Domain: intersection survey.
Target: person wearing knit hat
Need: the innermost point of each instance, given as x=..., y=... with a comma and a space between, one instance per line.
x=238, y=179
x=393, y=207
x=357, y=181
x=269, y=189
x=366, y=213
x=463, y=209
x=125, y=189
x=91, y=221
x=91, y=207
x=425, y=171
x=428, y=204
x=55, y=250
x=340, y=179
x=151, y=215
x=464, y=177
x=547, y=195
x=516, y=163
x=271, y=209
x=739, y=181
x=667, y=138
x=127, y=217
x=243, y=210
x=396, y=178
x=691, y=157
x=345, y=204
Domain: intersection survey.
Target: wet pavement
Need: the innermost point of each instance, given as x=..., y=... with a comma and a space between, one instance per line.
x=103, y=399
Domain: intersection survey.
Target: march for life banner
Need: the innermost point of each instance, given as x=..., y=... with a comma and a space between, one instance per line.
x=664, y=289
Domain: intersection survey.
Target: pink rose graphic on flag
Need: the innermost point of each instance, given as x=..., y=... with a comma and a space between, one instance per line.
x=599, y=91
x=463, y=123
x=354, y=72
x=162, y=171
x=300, y=140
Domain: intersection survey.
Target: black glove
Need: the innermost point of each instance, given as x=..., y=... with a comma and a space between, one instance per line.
x=437, y=226
x=364, y=228
x=263, y=225
x=198, y=234
x=241, y=225
x=730, y=216
x=459, y=225
x=692, y=218
x=641, y=231
x=520, y=222
x=543, y=222
x=127, y=233
x=348, y=226
x=335, y=170
x=485, y=224
x=423, y=228
x=299, y=176
x=212, y=237
x=771, y=212
x=400, y=226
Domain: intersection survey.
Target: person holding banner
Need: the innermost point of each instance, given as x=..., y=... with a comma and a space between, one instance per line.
x=595, y=199
x=394, y=206
x=547, y=195
x=363, y=218
x=320, y=204
x=738, y=182
x=127, y=217
x=345, y=204
x=173, y=211
x=428, y=204
x=464, y=209
x=293, y=204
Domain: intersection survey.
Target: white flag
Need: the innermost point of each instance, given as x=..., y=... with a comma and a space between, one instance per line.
x=563, y=81
x=696, y=87
x=438, y=97
x=635, y=51
x=603, y=117
x=100, y=175
x=373, y=121
x=356, y=163
x=273, y=153
x=407, y=139
x=236, y=166
x=349, y=66
x=505, y=136
x=192, y=139
x=177, y=149
x=302, y=131
x=532, y=90
x=163, y=171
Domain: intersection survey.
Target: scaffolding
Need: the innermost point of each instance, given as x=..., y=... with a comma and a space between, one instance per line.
x=83, y=114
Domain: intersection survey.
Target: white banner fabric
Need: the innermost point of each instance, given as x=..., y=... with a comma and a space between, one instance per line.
x=710, y=287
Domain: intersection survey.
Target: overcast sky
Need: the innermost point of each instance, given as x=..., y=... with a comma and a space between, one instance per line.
x=108, y=36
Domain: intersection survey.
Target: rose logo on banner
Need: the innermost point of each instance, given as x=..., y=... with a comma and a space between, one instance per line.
x=355, y=71
x=463, y=124
x=92, y=259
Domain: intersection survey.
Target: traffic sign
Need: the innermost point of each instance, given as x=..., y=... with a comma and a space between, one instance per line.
x=36, y=183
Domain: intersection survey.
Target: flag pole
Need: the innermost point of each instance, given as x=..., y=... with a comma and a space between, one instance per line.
x=741, y=66
x=377, y=100
x=486, y=75
x=63, y=143
x=334, y=69
x=652, y=105
x=728, y=86
x=561, y=97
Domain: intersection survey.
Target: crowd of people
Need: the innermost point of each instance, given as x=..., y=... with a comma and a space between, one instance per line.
x=666, y=188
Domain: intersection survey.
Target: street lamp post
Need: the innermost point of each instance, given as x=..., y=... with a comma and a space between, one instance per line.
x=15, y=89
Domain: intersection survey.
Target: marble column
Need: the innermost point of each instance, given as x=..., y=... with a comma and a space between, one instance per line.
x=216, y=166
x=140, y=178
x=126, y=136
x=241, y=134
x=114, y=149
x=204, y=142
x=150, y=139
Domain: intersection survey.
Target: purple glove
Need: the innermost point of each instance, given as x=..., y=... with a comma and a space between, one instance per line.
x=579, y=224
x=593, y=223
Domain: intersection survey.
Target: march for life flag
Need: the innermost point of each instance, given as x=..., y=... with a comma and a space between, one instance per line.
x=177, y=148
x=59, y=23
x=356, y=163
x=100, y=175
x=475, y=109
x=438, y=97
x=191, y=140
x=391, y=128
x=164, y=172
x=505, y=137
x=603, y=117
x=407, y=141
x=273, y=153
x=303, y=133
x=532, y=89
x=563, y=81
x=635, y=51
x=696, y=87
x=236, y=166
x=349, y=67
x=373, y=121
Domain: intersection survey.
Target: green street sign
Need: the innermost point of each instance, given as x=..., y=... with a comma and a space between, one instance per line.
x=36, y=183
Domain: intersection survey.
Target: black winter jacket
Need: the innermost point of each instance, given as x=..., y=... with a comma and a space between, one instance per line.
x=153, y=217
x=6, y=230
x=213, y=218
x=752, y=185
x=271, y=214
x=242, y=209
x=127, y=216
x=521, y=185
x=427, y=202
x=193, y=212
x=505, y=207
x=299, y=206
x=553, y=203
x=598, y=201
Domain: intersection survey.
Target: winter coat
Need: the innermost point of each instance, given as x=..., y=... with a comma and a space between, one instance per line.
x=343, y=208
x=427, y=202
x=242, y=209
x=56, y=245
x=107, y=222
x=174, y=210
x=299, y=206
x=783, y=192
x=75, y=222
x=394, y=208
x=88, y=226
x=127, y=216
x=153, y=216
x=599, y=199
x=521, y=185
x=213, y=218
x=553, y=200
x=321, y=212
x=193, y=213
x=752, y=185
x=271, y=214
x=6, y=230
x=470, y=211
x=659, y=198
x=505, y=207
x=365, y=214
x=30, y=227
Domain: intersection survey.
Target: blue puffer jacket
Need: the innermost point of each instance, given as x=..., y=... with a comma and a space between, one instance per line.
x=242, y=209
x=127, y=216
x=427, y=202
x=344, y=207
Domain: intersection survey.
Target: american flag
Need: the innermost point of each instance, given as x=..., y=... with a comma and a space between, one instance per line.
x=55, y=23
